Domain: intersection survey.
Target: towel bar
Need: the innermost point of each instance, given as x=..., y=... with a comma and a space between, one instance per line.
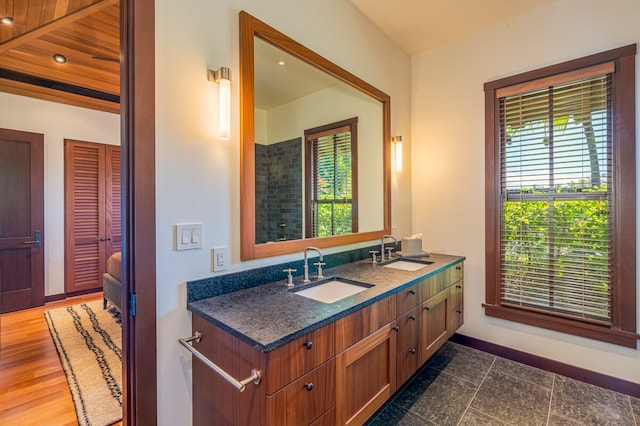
x=238, y=384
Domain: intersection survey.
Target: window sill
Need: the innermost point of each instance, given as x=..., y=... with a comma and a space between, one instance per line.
x=577, y=328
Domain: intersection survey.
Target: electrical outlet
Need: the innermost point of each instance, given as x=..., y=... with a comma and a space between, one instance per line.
x=220, y=258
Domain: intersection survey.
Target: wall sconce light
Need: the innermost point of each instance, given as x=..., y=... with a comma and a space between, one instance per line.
x=397, y=145
x=222, y=77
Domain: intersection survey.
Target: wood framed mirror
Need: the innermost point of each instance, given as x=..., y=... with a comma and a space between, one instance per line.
x=273, y=119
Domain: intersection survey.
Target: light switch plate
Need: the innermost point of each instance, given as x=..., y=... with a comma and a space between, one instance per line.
x=188, y=236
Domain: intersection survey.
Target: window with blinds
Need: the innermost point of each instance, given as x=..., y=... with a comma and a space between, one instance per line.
x=555, y=197
x=560, y=197
x=331, y=199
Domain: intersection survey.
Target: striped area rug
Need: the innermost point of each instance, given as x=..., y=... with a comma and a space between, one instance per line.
x=89, y=341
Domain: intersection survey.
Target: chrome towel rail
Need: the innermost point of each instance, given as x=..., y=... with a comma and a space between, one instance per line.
x=238, y=384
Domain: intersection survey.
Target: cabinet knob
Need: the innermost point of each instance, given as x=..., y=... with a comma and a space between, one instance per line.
x=458, y=311
x=412, y=291
x=458, y=286
x=308, y=386
x=459, y=268
x=413, y=317
x=308, y=345
x=412, y=351
x=427, y=308
x=396, y=328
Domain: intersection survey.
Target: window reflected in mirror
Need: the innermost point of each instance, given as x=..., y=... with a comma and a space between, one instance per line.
x=330, y=176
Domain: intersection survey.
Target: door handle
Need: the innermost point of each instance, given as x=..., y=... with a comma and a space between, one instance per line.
x=35, y=242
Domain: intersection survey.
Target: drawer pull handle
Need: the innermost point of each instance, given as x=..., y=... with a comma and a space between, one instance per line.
x=458, y=311
x=427, y=308
x=308, y=386
x=308, y=345
x=412, y=291
x=396, y=328
x=238, y=384
x=412, y=351
x=413, y=317
x=458, y=286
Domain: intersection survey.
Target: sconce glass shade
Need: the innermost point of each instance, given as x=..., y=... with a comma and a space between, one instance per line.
x=222, y=76
x=397, y=144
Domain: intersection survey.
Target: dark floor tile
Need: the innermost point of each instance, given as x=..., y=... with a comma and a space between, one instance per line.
x=476, y=418
x=513, y=400
x=392, y=414
x=524, y=372
x=578, y=403
x=461, y=361
x=635, y=405
x=437, y=397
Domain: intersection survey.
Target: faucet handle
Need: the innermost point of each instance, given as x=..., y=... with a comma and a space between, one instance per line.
x=289, y=277
x=373, y=254
x=320, y=265
x=389, y=250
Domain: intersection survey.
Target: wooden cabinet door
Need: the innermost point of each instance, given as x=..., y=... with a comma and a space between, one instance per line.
x=434, y=328
x=365, y=377
x=92, y=212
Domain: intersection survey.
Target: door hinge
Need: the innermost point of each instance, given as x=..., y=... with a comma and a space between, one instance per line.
x=132, y=304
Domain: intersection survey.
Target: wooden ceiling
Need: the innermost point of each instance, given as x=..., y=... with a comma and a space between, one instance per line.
x=86, y=32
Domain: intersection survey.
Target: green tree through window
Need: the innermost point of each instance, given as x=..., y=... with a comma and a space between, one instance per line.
x=330, y=164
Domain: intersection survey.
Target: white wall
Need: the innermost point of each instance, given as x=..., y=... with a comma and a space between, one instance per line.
x=198, y=174
x=447, y=126
x=57, y=122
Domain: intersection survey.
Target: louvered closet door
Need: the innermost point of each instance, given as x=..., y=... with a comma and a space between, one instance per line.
x=92, y=210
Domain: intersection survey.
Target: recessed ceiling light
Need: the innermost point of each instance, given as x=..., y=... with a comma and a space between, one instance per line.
x=59, y=58
x=281, y=63
x=8, y=20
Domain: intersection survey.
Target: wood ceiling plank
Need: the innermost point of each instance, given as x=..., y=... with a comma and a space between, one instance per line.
x=48, y=11
x=76, y=55
x=62, y=6
x=33, y=14
x=66, y=20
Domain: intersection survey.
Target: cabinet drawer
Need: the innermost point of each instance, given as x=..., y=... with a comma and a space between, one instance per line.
x=407, y=363
x=457, y=291
x=457, y=272
x=306, y=399
x=456, y=318
x=360, y=324
x=408, y=298
x=290, y=361
x=433, y=285
x=408, y=326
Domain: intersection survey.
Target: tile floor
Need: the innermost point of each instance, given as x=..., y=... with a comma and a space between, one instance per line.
x=463, y=386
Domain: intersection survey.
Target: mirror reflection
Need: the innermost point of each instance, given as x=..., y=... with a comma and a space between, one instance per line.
x=318, y=152
x=315, y=162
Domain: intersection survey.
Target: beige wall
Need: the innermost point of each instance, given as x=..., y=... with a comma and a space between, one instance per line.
x=57, y=122
x=447, y=127
x=198, y=174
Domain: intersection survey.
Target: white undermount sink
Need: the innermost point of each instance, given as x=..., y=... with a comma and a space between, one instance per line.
x=407, y=265
x=332, y=290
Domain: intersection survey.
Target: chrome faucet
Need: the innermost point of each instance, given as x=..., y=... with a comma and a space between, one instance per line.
x=306, y=264
x=384, y=237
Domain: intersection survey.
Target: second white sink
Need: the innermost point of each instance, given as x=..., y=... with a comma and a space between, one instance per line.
x=407, y=265
x=332, y=290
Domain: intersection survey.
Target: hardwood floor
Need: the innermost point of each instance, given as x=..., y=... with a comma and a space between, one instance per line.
x=33, y=386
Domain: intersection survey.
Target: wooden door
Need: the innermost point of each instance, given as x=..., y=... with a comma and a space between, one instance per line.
x=21, y=220
x=92, y=212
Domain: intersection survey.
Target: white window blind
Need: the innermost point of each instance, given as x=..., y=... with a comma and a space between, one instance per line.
x=555, y=196
x=331, y=182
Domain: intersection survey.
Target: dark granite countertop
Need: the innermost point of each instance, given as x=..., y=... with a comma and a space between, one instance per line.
x=270, y=315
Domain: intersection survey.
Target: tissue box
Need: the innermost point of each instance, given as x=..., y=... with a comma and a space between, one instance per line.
x=411, y=246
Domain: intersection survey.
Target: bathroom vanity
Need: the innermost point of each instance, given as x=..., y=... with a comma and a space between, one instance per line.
x=323, y=363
